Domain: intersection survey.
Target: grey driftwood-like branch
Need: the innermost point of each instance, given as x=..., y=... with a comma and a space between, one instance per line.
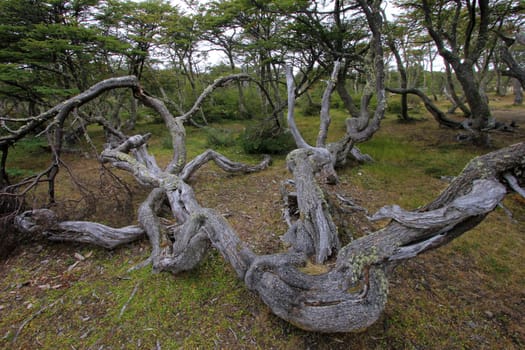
x=353, y=293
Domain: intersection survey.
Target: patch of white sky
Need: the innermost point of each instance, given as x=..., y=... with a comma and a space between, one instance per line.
x=215, y=56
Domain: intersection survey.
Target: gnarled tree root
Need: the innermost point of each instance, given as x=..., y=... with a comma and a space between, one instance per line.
x=352, y=295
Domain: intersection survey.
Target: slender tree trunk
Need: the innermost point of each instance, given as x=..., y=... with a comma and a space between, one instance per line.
x=342, y=91
x=243, y=112
x=456, y=101
x=133, y=114
x=403, y=80
x=518, y=92
x=481, y=117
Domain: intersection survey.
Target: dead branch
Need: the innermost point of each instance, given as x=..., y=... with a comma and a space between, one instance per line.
x=125, y=306
x=325, y=106
x=299, y=140
x=438, y=115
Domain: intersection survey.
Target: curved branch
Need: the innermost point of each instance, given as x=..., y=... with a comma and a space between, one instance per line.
x=299, y=140
x=65, y=107
x=353, y=294
x=513, y=183
x=314, y=232
x=325, y=106
x=438, y=115
x=515, y=69
x=223, y=163
x=45, y=222
x=216, y=84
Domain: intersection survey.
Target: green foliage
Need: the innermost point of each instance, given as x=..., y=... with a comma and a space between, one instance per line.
x=394, y=106
x=311, y=109
x=223, y=105
x=413, y=102
x=219, y=137
x=262, y=139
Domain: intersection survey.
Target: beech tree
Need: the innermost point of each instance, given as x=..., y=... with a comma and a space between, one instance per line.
x=352, y=294
x=461, y=33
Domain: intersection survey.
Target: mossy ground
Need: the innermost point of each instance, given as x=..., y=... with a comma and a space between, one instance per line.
x=467, y=295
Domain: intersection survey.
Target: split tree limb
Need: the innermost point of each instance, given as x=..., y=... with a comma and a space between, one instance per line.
x=325, y=106
x=513, y=183
x=299, y=140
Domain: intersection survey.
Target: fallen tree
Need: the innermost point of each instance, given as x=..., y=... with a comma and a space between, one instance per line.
x=352, y=294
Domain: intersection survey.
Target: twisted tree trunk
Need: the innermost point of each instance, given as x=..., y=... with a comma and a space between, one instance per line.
x=352, y=294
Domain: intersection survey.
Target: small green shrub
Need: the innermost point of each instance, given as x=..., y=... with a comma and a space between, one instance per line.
x=394, y=106
x=413, y=102
x=263, y=139
x=18, y=173
x=219, y=137
x=311, y=109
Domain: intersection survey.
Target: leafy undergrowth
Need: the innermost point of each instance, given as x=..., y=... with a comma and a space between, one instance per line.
x=469, y=294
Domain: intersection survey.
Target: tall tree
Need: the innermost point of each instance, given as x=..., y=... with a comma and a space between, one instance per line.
x=47, y=49
x=460, y=30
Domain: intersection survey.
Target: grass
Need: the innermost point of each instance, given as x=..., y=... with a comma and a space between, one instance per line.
x=466, y=295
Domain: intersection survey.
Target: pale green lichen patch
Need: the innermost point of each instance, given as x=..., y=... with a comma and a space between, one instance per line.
x=359, y=262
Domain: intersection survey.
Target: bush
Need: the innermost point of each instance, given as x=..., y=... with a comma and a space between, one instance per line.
x=224, y=105
x=219, y=137
x=394, y=106
x=263, y=139
x=312, y=109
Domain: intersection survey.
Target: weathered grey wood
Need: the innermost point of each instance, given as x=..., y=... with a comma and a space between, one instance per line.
x=44, y=221
x=513, y=183
x=299, y=140
x=349, y=297
x=325, y=106
x=315, y=220
x=67, y=106
x=223, y=163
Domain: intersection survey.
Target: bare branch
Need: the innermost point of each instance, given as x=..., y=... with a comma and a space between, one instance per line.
x=325, y=106
x=438, y=115
x=45, y=221
x=216, y=84
x=513, y=183
x=299, y=141
x=65, y=107
x=223, y=162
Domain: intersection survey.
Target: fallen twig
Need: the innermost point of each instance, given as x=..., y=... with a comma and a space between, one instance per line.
x=129, y=300
x=33, y=316
x=508, y=212
x=141, y=264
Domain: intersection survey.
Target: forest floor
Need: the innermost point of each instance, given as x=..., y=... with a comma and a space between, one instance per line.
x=469, y=294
